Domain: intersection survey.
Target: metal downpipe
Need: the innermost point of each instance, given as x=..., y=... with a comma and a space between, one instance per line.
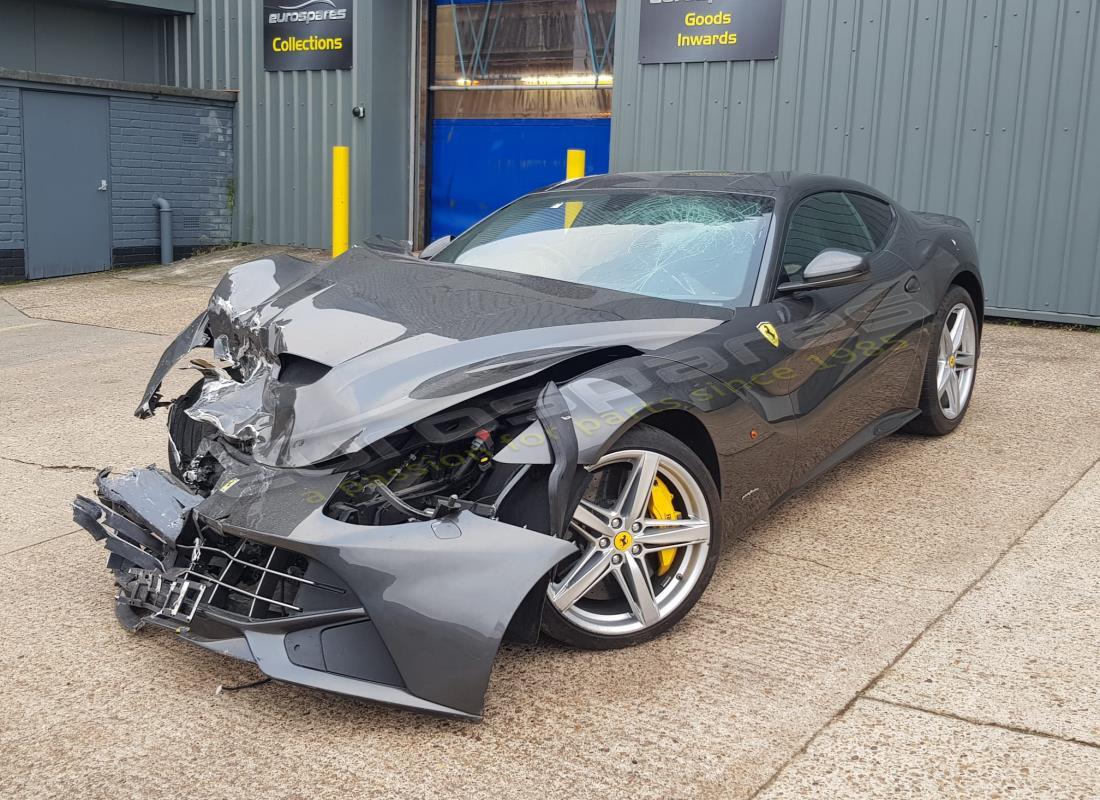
x=165, y=211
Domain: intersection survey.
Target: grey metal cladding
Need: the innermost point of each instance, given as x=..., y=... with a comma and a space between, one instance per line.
x=288, y=122
x=982, y=109
x=80, y=39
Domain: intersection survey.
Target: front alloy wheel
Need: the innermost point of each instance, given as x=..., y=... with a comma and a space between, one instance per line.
x=645, y=526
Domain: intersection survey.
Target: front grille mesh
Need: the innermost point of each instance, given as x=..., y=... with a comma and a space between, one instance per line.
x=249, y=578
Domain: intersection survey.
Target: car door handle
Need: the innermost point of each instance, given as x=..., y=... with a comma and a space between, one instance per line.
x=102, y=185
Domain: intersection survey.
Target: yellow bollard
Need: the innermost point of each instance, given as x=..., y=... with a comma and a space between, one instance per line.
x=341, y=207
x=574, y=168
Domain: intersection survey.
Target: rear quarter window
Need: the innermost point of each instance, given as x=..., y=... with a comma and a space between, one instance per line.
x=877, y=216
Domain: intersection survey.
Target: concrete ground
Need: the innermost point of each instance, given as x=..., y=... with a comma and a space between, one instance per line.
x=921, y=622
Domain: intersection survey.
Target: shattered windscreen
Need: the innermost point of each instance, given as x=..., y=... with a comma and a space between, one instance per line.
x=697, y=247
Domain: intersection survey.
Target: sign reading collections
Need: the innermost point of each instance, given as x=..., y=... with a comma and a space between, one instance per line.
x=677, y=31
x=307, y=34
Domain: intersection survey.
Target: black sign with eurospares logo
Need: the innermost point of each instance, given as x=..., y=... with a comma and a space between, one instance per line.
x=678, y=31
x=307, y=34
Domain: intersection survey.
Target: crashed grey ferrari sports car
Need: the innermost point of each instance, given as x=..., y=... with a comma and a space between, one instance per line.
x=389, y=464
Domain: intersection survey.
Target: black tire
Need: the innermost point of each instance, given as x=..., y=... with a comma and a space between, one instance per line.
x=641, y=437
x=184, y=433
x=932, y=421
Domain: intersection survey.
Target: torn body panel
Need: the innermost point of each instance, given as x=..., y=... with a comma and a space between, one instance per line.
x=324, y=360
x=317, y=362
x=409, y=614
x=193, y=336
x=365, y=426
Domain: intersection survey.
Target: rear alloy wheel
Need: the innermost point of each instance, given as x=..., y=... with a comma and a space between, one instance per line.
x=951, y=368
x=957, y=361
x=647, y=527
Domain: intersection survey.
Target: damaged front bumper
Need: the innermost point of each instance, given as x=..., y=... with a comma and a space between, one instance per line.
x=410, y=615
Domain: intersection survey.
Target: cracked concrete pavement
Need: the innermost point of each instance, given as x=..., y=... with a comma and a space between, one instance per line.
x=921, y=622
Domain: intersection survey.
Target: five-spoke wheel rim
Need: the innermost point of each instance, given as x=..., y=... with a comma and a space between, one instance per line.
x=619, y=541
x=957, y=361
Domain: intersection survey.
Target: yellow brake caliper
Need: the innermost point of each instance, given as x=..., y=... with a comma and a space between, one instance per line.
x=661, y=507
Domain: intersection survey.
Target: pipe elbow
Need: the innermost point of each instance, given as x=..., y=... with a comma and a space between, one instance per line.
x=162, y=204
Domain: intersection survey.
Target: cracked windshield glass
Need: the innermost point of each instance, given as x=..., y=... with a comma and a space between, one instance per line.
x=700, y=248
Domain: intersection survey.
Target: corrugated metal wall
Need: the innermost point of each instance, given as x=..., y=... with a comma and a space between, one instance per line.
x=288, y=122
x=985, y=109
x=64, y=39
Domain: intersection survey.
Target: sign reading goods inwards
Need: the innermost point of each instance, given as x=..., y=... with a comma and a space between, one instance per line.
x=676, y=31
x=307, y=34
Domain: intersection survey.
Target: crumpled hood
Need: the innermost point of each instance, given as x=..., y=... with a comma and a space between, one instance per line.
x=396, y=339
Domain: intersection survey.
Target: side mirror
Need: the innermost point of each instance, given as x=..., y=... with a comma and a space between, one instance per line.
x=435, y=248
x=830, y=268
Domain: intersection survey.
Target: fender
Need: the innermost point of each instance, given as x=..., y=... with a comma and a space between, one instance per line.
x=601, y=410
x=194, y=335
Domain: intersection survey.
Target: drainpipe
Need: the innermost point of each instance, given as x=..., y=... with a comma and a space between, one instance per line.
x=165, y=229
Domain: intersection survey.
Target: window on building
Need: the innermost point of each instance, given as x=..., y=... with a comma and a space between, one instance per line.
x=542, y=58
x=823, y=222
x=515, y=85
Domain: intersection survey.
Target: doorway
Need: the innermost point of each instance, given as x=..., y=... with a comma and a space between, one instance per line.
x=514, y=85
x=66, y=162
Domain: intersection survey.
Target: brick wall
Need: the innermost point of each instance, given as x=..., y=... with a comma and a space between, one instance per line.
x=182, y=152
x=179, y=150
x=11, y=186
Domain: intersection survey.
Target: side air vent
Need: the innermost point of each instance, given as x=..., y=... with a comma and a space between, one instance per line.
x=299, y=371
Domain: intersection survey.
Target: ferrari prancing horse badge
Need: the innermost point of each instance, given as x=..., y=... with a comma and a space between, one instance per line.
x=768, y=331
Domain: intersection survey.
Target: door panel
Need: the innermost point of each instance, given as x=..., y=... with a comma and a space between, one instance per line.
x=514, y=85
x=857, y=355
x=855, y=360
x=748, y=408
x=479, y=165
x=68, y=199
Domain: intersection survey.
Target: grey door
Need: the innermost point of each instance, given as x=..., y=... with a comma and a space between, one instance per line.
x=68, y=199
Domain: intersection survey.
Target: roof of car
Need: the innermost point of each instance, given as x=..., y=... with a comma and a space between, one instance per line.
x=772, y=184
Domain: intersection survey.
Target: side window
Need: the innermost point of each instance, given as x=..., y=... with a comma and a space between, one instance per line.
x=822, y=222
x=877, y=215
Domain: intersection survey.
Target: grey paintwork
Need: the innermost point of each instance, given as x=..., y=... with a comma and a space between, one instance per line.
x=396, y=342
x=591, y=400
x=556, y=421
x=193, y=336
x=152, y=498
x=440, y=592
